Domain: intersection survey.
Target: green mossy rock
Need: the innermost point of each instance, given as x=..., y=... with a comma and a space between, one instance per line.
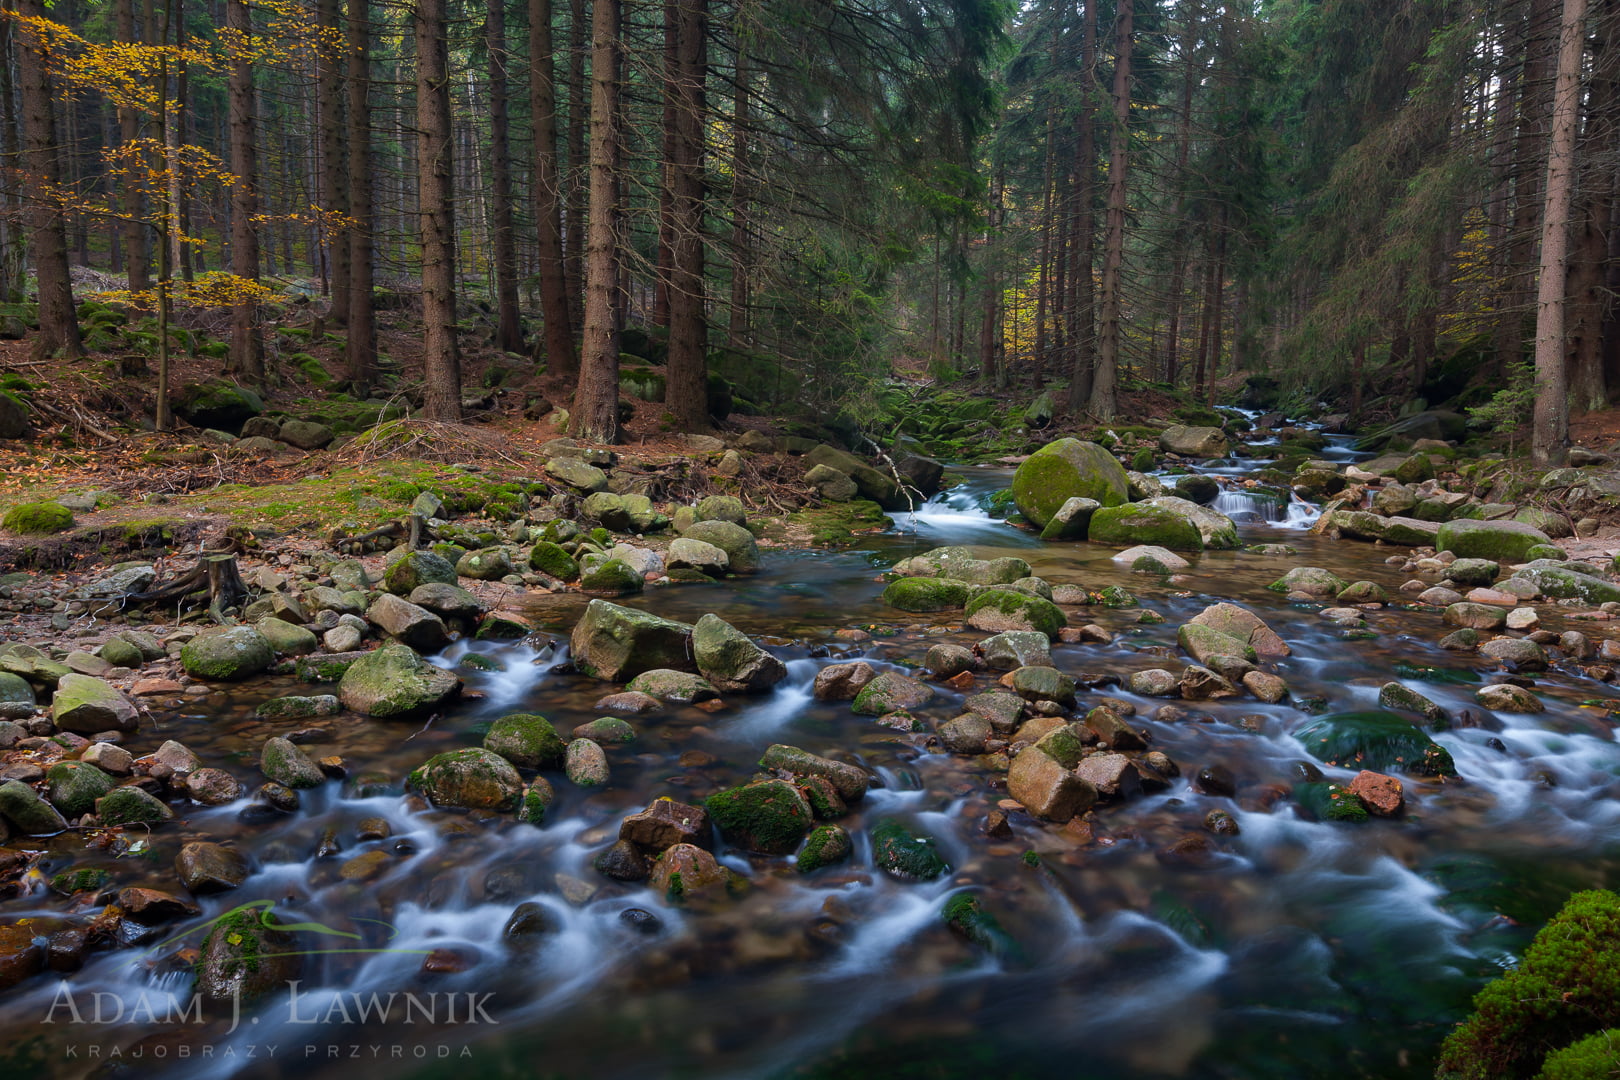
x=617, y=643
x=1500, y=541
x=245, y=958
x=527, y=740
x=86, y=705
x=925, y=594
x=1145, y=523
x=960, y=564
x=283, y=762
x=827, y=845
x=1330, y=802
x=767, y=816
x=1003, y=609
x=679, y=687
x=737, y=542
x=30, y=814
x=612, y=577
x=549, y=558
x=1063, y=470
x=904, y=854
x=1375, y=740
x=414, y=568
x=1561, y=584
x=74, y=786
x=470, y=779
x=227, y=655
x=730, y=659
x=394, y=681
x=131, y=806
x=286, y=638
x=965, y=914
x=486, y=564
x=1566, y=987
x=722, y=508
x=38, y=519
x=890, y=692
x=1310, y=580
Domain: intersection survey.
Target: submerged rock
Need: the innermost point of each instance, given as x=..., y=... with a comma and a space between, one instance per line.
x=1375, y=740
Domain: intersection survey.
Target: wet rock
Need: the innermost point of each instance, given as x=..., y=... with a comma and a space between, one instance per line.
x=24, y=809
x=472, y=779
x=299, y=707
x=1475, y=616
x=1192, y=852
x=832, y=484
x=1216, y=780
x=630, y=703
x=1505, y=697
x=1363, y=592
x=1310, y=580
x=1003, y=710
x=679, y=687
x=1155, y=520
x=1004, y=609
x=730, y=659
x=206, y=867
x=1244, y=625
x=213, y=787
x=1114, y=776
x=1375, y=740
x=611, y=577
x=394, y=681
x=928, y=594
x=616, y=643
x=1036, y=684
x=408, y=569
x=485, y=564
x=827, y=845
x=664, y=824
x=74, y=786
x=527, y=740
x=1473, y=571
x=1517, y=653
x=1169, y=560
x=967, y=734
x=767, y=816
x=1221, y=823
x=87, y=705
x=873, y=484
x=623, y=862
x=109, y=758
x=1439, y=596
x=450, y=602
x=1465, y=640
x=1383, y=796
x=229, y=655
x=529, y=924
x=154, y=907
x=1042, y=779
x=850, y=781
x=1154, y=682
x=1202, y=684
x=688, y=874
x=1267, y=687
x=585, y=764
x=1523, y=619
x=131, y=806
x=1498, y=541
x=960, y=564
x=1015, y=649
x=536, y=801
x=1113, y=732
x=22, y=952
x=891, y=691
x=242, y=959
x=1394, y=695
x=842, y=682
x=686, y=553
x=1563, y=583
x=904, y=854
x=1576, y=644
x=946, y=661
x=283, y=762
x=1063, y=470
x=1071, y=521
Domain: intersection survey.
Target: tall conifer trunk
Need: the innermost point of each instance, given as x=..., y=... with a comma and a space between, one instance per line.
x=557, y=334
x=246, y=345
x=596, y=401
x=361, y=351
x=1104, y=404
x=436, y=214
x=47, y=233
x=687, y=368
x=508, y=328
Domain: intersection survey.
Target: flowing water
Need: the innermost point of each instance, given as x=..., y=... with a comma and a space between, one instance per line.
x=1306, y=948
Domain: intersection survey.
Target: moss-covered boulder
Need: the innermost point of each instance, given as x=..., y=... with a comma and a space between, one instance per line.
x=527, y=740
x=1375, y=740
x=1366, y=525
x=287, y=639
x=686, y=874
x=961, y=564
x=1199, y=442
x=471, y=779
x=1500, y=541
x=74, y=786
x=617, y=643
x=229, y=655
x=742, y=552
x=1561, y=583
x=131, y=806
x=284, y=762
x=612, y=577
x=730, y=659
x=850, y=781
x=1566, y=987
x=38, y=519
x=767, y=816
x=550, y=558
x=1309, y=580
x=905, y=854
x=394, y=681
x=412, y=568
x=889, y=692
x=877, y=486
x=1145, y=523
x=1042, y=777
x=86, y=705
x=485, y=564
x=679, y=687
x=246, y=957
x=27, y=812
x=1064, y=470
x=925, y=594
x=1004, y=609
x=827, y=845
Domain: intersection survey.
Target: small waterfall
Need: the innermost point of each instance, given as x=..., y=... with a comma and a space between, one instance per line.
x=1247, y=508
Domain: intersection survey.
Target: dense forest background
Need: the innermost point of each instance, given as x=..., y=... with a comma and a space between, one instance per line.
x=784, y=202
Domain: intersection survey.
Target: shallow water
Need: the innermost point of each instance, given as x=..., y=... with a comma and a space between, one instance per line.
x=1306, y=947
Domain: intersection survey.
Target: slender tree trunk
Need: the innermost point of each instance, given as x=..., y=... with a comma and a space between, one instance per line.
x=334, y=159
x=247, y=346
x=555, y=309
x=361, y=349
x=13, y=229
x=1550, y=436
x=664, y=259
x=687, y=368
x=1082, y=378
x=508, y=328
x=1178, y=258
x=575, y=191
x=58, y=320
x=131, y=203
x=435, y=170
x=1588, y=298
x=1534, y=106
x=741, y=193
x=596, y=401
x=1104, y=404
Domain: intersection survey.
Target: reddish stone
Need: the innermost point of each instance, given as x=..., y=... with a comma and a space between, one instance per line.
x=1383, y=795
x=961, y=683
x=149, y=687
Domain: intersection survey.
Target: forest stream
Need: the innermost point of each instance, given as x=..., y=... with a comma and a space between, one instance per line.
x=1292, y=947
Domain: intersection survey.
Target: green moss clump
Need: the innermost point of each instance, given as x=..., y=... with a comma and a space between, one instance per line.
x=38, y=519
x=924, y=594
x=1030, y=612
x=1567, y=987
x=1596, y=1057
x=905, y=854
x=966, y=916
x=827, y=845
x=1375, y=740
x=85, y=879
x=767, y=816
x=1143, y=460
x=549, y=558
